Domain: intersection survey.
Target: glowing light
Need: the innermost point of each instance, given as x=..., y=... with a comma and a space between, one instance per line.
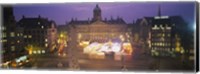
x=169, y=28
x=29, y=36
x=12, y=34
x=95, y=48
x=64, y=54
x=39, y=52
x=34, y=52
x=155, y=27
x=156, y=53
x=46, y=45
x=30, y=52
x=18, y=41
x=43, y=51
x=61, y=35
x=42, y=27
x=25, y=36
x=194, y=27
x=46, y=40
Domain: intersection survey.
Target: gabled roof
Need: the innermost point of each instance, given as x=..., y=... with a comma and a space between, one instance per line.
x=79, y=22
x=87, y=22
x=34, y=22
x=97, y=8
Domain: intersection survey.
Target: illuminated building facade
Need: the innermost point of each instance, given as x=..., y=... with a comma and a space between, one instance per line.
x=39, y=31
x=112, y=31
x=162, y=37
x=11, y=39
x=101, y=30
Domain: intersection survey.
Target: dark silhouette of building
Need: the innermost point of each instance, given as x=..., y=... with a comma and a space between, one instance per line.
x=167, y=33
x=12, y=41
x=39, y=31
x=97, y=14
x=162, y=38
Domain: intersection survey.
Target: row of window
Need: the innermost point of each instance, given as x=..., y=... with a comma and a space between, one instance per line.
x=161, y=44
x=12, y=34
x=161, y=49
x=161, y=35
x=162, y=39
x=161, y=26
x=3, y=40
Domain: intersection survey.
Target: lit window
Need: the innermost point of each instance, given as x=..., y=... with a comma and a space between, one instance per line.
x=13, y=48
x=161, y=26
x=39, y=23
x=4, y=40
x=34, y=52
x=46, y=40
x=169, y=35
x=155, y=27
x=29, y=36
x=4, y=34
x=17, y=34
x=46, y=45
x=25, y=36
x=42, y=26
x=163, y=35
x=169, y=28
x=79, y=36
x=43, y=51
x=160, y=44
x=39, y=51
x=164, y=17
x=18, y=41
x=12, y=34
x=21, y=34
x=3, y=28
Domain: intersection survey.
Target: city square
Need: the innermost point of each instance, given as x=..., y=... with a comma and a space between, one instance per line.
x=151, y=43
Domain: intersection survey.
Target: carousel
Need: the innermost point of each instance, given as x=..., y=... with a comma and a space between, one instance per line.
x=96, y=50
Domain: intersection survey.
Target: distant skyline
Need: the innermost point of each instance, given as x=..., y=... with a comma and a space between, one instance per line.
x=63, y=12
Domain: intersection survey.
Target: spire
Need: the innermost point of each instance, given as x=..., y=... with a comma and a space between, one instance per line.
x=159, y=11
x=97, y=13
x=23, y=16
x=72, y=19
x=39, y=16
x=111, y=17
x=105, y=19
x=97, y=7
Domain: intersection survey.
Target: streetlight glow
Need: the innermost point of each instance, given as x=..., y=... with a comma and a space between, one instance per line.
x=194, y=26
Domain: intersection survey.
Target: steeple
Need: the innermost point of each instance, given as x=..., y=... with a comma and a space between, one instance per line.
x=97, y=13
x=159, y=11
x=97, y=8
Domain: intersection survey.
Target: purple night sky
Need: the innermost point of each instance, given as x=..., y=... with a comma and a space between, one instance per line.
x=62, y=13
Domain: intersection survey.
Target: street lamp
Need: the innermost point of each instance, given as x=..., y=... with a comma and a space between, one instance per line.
x=61, y=35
